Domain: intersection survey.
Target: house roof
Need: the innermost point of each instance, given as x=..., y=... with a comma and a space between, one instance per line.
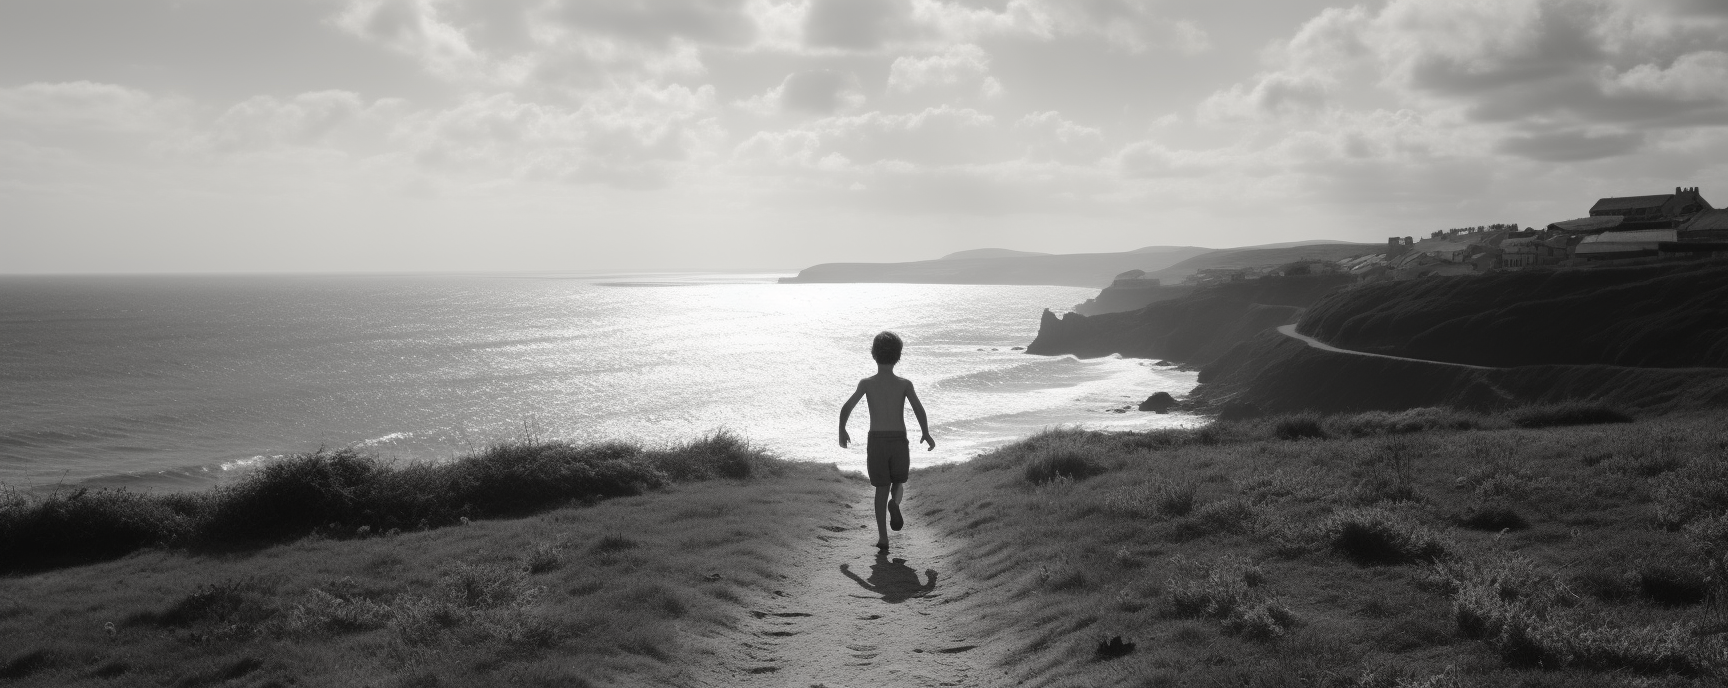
x=1588, y=224
x=1638, y=236
x=1708, y=219
x=1629, y=202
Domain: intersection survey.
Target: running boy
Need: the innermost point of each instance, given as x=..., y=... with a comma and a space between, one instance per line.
x=888, y=455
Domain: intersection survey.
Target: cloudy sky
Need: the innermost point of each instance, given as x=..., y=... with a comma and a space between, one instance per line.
x=362, y=135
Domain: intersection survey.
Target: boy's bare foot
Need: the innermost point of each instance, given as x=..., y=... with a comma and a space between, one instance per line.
x=894, y=520
x=882, y=545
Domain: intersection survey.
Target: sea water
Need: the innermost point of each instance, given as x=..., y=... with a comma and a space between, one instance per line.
x=181, y=382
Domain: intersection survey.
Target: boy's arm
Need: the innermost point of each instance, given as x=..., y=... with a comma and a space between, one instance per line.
x=846, y=412
x=918, y=410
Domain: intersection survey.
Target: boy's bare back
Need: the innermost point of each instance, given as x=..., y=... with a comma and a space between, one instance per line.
x=887, y=393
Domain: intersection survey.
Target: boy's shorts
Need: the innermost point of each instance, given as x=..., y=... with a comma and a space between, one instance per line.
x=888, y=457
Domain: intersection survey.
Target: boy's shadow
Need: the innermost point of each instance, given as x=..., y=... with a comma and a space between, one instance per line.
x=893, y=580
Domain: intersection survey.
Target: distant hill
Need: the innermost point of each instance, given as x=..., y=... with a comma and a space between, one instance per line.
x=1309, y=242
x=1069, y=269
x=989, y=253
x=1162, y=249
x=1002, y=266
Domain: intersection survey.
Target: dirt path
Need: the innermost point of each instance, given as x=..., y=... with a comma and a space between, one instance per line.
x=1290, y=331
x=852, y=617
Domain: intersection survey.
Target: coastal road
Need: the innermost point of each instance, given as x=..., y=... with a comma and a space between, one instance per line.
x=1290, y=331
x=851, y=616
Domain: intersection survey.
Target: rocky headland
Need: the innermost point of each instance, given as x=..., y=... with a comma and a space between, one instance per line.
x=1644, y=338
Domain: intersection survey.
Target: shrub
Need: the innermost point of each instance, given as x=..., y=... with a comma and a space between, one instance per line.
x=1373, y=537
x=1068, y=464
x=1567, y=413
x=717, y=456
x=1303, y=426
x=80, y=526
x=1161, y=498
x=294, y=496
x=1492, y=518
x=1672, y=585
x=1231, y=591
x=1407, y=421
x=343, y=493
x=1234, y=515
x=1698, y=490
x=613, y=543
x=543, y=557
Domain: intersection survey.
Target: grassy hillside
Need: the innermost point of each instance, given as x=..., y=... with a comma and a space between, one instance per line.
x=1272, y=373
x=1427, y=548
x=632, y=591
x=1670, y=316
x=1193, y=329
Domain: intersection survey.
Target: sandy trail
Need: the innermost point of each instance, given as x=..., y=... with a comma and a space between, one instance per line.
x=1290, y=331
x=850, y=616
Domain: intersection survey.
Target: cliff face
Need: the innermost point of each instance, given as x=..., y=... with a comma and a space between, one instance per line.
x=1663, y=316
x=1193, y=330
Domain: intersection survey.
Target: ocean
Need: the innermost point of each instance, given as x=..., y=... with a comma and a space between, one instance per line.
x=181, y=382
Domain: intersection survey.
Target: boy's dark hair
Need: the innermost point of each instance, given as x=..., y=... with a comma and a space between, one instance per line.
x=886, y=348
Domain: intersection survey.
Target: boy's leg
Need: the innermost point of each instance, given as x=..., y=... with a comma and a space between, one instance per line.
x=895, y=521
x=882, y=516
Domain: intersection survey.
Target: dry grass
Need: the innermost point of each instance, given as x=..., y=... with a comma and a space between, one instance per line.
x=639, y=587
x=1424, y=548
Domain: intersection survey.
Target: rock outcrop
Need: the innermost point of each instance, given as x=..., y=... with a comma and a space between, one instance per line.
x=1159, y=402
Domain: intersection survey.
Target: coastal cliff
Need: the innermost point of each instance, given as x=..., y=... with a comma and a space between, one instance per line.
x=1191, y=330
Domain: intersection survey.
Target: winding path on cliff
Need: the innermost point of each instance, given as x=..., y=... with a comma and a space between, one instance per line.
x=1290, y=331
x=851, y=616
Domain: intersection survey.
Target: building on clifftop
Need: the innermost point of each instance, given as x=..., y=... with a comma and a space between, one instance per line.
x=1661, y=211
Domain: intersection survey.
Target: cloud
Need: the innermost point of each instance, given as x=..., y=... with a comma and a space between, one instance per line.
x=1554, y=80
x=88, y=107
x=816, y=91
x=642, y=137
x=857, y=24
x=941, y=136
x=1572, y=146
x=1697, y=77
x=313, y=119
x=821, y=91
x=961, y=69
x=1049, y=136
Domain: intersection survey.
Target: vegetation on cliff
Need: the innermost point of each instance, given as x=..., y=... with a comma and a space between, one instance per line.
x=1667, y=316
